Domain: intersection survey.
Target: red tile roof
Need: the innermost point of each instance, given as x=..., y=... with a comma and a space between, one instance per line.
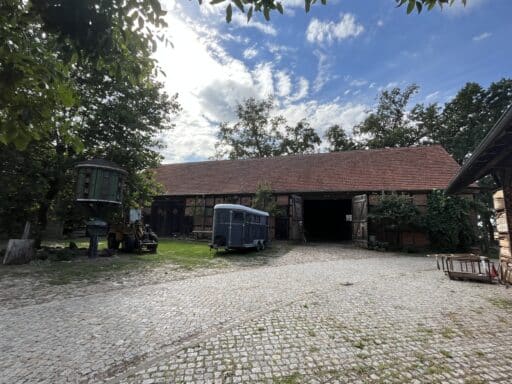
x=395, y=169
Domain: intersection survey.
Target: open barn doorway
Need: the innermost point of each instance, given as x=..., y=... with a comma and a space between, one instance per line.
x=328, y=220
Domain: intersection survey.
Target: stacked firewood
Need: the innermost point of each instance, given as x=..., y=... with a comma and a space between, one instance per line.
x=502, y=224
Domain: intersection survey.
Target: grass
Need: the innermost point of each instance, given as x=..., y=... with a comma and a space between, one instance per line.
x=294, y=378
x=500, y=302
x=172, y=253
x=446, y=353
x=475, y=380
x=179, y=254
x=359, y=344
x=448, y=333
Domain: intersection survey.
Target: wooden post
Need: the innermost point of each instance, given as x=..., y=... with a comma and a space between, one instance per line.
x=503, y=204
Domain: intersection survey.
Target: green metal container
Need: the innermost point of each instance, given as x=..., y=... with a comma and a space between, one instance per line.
x=99, y=181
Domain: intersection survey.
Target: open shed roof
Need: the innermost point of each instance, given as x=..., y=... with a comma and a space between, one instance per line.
x=494, y=152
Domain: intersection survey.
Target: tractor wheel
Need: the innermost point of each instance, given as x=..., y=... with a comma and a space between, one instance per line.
x=112, y=242
x=128, y=243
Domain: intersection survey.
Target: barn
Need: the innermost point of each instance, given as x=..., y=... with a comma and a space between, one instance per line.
x=324, y=196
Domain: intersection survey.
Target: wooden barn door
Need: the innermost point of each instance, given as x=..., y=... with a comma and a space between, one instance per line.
x=360, y=220
x=296, y=222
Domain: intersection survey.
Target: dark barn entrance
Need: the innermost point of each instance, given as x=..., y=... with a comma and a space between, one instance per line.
x=167, y=217
x=326, y=220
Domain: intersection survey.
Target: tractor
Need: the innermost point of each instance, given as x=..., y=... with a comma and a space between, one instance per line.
x=133, y=237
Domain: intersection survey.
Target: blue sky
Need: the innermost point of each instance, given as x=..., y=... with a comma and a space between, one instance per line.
x=327, y=66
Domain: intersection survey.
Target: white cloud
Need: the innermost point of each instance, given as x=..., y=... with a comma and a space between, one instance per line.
x=482, y=36
x=323, y=115
x=328, y=32
x=432, y=96
x=323, y=71
x=263, y=79
x=210, y=83
x=358, y=83
x=302, y=91
x=380, y=23
x=284, y=83
x=250, y=53
x=458, y=7
x=240, y=20
x=280, y=51
x=392, y=84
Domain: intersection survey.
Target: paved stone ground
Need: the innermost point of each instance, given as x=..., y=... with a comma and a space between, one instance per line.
x=27, y=288
x=317, y=314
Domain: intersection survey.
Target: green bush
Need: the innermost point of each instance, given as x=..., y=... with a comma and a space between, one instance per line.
x=396, y=212
x=449, y=222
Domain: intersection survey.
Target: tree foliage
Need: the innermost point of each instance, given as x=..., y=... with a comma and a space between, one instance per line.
x=300, y=138
x=338, y=139
x=255, y=134
x=266, y=7
x=114, y=110
x=389, y=125
x=42, y=42
x=466, y=119
x=458, y=126
x=450, y=222
x=259, y=133
x=419, y=5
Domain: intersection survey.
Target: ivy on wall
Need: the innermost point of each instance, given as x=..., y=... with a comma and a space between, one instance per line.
x=449, y=220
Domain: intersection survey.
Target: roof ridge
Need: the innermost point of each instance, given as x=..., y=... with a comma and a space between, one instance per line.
x=298, y=155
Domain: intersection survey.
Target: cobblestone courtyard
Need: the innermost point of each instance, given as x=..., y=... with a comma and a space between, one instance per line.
x=317, y=314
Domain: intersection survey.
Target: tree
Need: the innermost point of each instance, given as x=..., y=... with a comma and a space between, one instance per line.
x=116, y=120
x=389, y=125
x=300, y=139
x=469, y=116
x=338, y=140
x=255, y=134
x=449, y=222
x=42, y=40
x=464, y=122
x=428, y=120
x=33, y=79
